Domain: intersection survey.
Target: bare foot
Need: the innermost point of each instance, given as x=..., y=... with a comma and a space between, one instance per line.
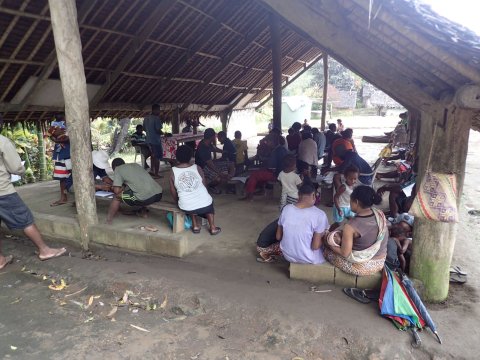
x=50, y=253
x=58, y=202
x=4, y=261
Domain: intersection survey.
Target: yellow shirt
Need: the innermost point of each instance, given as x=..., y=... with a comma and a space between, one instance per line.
x=241, y=147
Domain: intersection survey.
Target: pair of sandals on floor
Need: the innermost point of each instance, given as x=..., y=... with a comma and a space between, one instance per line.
x=213, y=233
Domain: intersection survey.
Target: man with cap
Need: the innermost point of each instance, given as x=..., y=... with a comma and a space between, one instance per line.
x=13, y=211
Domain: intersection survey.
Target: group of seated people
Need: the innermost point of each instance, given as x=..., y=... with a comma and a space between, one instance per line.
x=366, y=239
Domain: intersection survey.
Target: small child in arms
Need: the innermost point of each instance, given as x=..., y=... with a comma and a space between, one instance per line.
x=290, y=181
x=341, y=199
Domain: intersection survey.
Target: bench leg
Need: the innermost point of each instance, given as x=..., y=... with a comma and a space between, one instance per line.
x=178, y=222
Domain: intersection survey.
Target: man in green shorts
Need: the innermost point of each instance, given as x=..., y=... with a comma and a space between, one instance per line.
x=133, y=186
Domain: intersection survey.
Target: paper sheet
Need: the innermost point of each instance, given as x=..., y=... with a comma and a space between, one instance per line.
x=102, y=193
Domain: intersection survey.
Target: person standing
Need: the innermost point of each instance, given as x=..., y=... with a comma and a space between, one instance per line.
x=153, y=127
x=13, y=211
x=61, y=157
x=340, y=126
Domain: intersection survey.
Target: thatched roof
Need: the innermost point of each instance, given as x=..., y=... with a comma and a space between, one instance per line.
x=182, y=53
x=211, y=54
x=401, y=46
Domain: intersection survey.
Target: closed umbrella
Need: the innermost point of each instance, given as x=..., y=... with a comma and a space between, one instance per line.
x=420, y=306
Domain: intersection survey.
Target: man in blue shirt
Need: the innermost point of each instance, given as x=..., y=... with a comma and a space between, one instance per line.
x=352, y=158
x=152, y=124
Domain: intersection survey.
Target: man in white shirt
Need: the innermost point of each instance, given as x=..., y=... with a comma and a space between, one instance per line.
x=307, y=155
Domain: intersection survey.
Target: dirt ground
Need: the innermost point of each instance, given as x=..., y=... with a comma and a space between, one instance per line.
x=219, y=303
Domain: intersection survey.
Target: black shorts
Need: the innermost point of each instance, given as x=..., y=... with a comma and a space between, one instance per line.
x=157, y=151
x=14, y=212
x=129, y=198
x=202, y=212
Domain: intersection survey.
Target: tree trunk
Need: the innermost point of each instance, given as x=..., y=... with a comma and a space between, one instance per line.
x=325, y=91
x=120, y=136
x=276, y=45
x=42, y=161
x=72, y=74
x=434, y=242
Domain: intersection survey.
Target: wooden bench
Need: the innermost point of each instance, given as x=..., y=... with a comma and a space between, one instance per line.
x=178, y=215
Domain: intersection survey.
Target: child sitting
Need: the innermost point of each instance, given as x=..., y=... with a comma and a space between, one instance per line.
x=341, y=198
x=398, y=234
x=290, y=181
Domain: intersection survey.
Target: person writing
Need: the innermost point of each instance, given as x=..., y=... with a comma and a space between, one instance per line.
x=133, y=186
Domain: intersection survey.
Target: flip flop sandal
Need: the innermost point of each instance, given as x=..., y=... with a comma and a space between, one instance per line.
x=196, y=231
x=457, y=279
x=58, y=203
x=216, y=232
x=357, y=294
x=62, y=252
x=457, y=270
x=271, y=259
x=151, y=228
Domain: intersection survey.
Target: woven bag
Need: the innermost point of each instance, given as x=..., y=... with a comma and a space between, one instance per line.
x=436, y=197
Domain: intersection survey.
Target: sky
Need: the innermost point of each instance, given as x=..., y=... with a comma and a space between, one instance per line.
x=464, y=12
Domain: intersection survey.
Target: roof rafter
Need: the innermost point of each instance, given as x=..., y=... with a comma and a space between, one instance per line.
x=51, y=60
x=135, y=45
x=212, y=29
x=289, y=81
x=247, y=41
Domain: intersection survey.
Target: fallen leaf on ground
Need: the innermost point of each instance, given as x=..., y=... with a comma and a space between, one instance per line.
x=57, y=287
x=90, y=302
x=163, y=305
x=17, y=300
x=89, y=319
x=13, y=347
x=139, y=328
x=112, y=312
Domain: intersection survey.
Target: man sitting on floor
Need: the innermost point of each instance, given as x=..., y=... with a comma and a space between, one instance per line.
x=216, y=171
x=133, y=186
x=13, y=210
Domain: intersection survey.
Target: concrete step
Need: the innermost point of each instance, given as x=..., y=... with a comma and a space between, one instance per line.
x=328, y=274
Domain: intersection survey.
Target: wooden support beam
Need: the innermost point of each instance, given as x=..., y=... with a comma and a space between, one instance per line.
x=325, y=92
x=468, y=97
x=435, y=241
x=289, y=81
x=74, y=86
x=135, y=45
x=176, y=121
x=234, y=53
x=338, y=42
x=276, y=43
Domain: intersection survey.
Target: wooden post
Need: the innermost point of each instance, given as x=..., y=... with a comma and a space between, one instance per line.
x=276, y=69
x=434, y=241
x=325, y=91
x=176, y=121
x=224, y=120
x=69, y=54
x=42, y=161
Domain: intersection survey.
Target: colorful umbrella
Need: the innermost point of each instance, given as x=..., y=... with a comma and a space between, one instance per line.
x=396, y=305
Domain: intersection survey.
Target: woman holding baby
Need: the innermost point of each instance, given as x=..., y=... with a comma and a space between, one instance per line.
x=361, y=247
